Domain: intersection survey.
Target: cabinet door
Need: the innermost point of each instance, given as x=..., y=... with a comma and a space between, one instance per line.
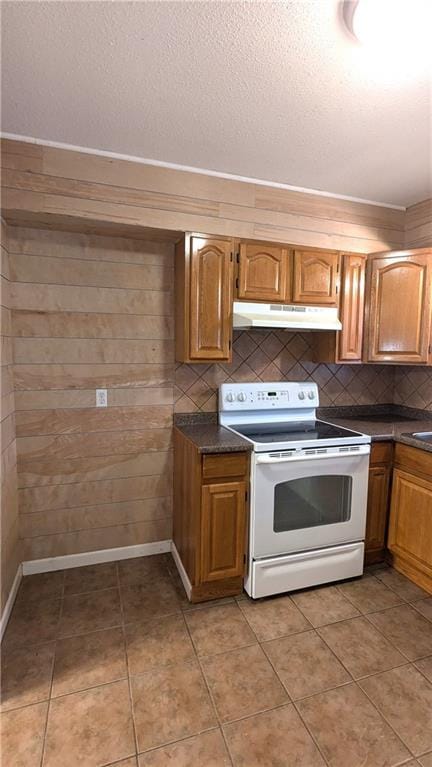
x=223, y=515
x=316, y=277
x=350, y=338
x=263, y=272
x=400, y=309
x=210, y=310
x=377, y=512
x=410, y=531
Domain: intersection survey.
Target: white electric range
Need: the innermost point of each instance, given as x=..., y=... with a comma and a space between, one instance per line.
x=309, y=482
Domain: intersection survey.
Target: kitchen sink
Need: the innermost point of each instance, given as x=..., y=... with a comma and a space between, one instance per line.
x=425, y=436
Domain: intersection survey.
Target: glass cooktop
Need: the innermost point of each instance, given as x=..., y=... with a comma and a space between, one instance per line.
x=292, y=432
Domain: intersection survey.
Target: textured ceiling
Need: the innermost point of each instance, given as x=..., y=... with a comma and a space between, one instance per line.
x=274, y=91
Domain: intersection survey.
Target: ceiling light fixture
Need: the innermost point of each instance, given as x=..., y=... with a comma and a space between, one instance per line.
x=390, y=24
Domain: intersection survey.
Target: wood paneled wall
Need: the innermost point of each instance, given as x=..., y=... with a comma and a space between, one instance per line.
x=418, y=225
x=10, y=547
x=55, y=185
x=92, y=312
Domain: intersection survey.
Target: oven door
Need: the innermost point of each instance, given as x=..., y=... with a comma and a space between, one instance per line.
x=303, y=501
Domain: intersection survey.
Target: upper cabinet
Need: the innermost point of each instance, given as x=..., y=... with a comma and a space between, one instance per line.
x=277, y=274
x=345, y=346
x=316, y=277
x=204, y=278
x=399, y=311
x=263, y=272
x=350, y=338
x=397, y=292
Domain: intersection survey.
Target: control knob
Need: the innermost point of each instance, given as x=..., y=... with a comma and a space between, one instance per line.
x=301, y=395
x=311, y=395
x=230, y=397
x=241, y=397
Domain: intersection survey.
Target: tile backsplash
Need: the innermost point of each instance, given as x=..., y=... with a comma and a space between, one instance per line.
x=282, y=355
x=413, y=387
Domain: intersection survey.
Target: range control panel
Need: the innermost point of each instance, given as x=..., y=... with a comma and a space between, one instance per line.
x=268, y=396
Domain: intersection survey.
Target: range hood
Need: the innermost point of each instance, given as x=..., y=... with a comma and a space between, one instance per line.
x=285, y=316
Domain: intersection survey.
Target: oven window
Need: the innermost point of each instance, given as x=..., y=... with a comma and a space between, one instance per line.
x=312, y=501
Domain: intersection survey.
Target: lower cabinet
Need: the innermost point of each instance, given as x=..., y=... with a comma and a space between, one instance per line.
x=222, y=530
x=378, y=502
x=410, y=530
x=210, y=519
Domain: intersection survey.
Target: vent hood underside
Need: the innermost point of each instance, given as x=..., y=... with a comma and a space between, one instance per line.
x=285, y=316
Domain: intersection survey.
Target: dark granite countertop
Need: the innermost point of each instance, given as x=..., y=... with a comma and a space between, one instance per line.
x=381, y=428
x=381, y=422
x=211, y=438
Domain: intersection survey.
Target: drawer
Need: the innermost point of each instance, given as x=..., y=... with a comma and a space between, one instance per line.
x=413, y=459
x=381, y=452
x=225, y=465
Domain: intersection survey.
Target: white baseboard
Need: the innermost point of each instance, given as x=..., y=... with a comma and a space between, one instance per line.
x=94, y=557
x=182, y=572
x=10, y=601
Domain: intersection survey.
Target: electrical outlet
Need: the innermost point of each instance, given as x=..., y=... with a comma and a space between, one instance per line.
x=101, y=398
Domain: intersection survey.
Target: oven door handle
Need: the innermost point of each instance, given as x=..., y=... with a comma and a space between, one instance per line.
x=363, y=450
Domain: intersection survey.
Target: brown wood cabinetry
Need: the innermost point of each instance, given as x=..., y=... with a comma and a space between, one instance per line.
x=345, y=346
x=410, y=529
x=350, y=338
x=222, y=529
x=204, y=274
x=399, y=307
x=276, y=273
x=263, y=273
x=378, y=501
x=210, y=515
x=316, y=277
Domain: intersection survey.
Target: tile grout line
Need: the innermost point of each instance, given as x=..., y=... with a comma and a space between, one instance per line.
x=427, y=657
x=293, y=703
x=210, y=694
x=413, y=604
x=386, y=720
x=128, y=675
x=43, y=754
x=364, y=676
x=388, y=639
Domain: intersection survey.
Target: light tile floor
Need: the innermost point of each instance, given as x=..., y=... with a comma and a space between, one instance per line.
x=110, y=665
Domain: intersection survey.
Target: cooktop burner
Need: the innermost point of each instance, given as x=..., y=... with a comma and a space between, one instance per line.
x=280, y=416
x=294, y=431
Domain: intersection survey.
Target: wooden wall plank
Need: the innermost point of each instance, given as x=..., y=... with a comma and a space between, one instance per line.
x=50, y=377
x=67, y=298
x=283, y=219
x=81, y=518
x=85, y=398
x=59, y=244
x=10, y=552
x=31, y=423
x=62, y=472
x=48, y=497
x=90, y=350
x=34, y=324
x=67, y=446
x=84, y=167
x=418, y=225
x=78, y=185
x=62, y=271
x=18, y=204
x=94, y=539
